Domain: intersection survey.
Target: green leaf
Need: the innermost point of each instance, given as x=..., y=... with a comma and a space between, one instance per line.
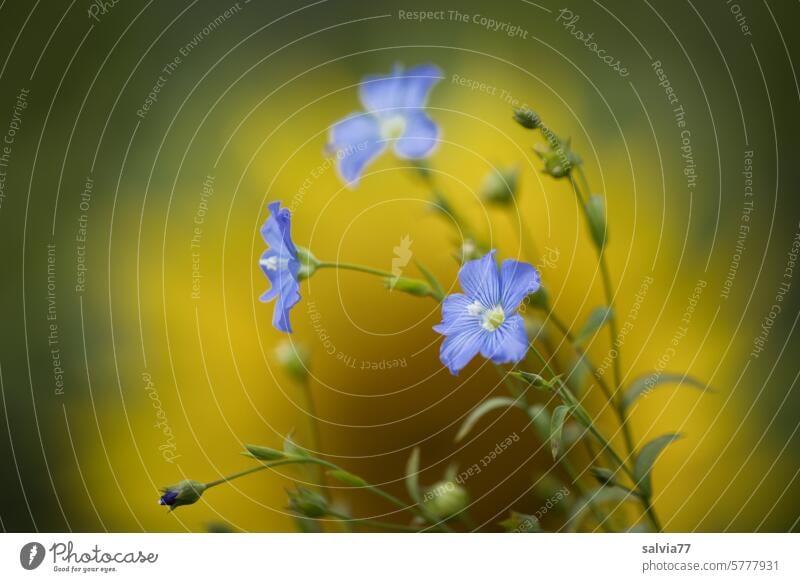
x=597, y=318
x=557, y=427
x=643, y=384
x=347, y=478
x=412, y=475
x=431, y=279
x=264, y=453
x=647, y=458
x=603, y=475
x=521, y=523
x=540, y=418
x=479, y=411
x=596, y=216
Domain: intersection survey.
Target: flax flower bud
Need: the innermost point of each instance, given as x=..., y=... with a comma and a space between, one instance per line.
x=183, y=493
x=500, y=186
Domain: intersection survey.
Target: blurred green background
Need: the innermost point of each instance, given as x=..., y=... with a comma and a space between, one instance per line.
x=242, y=119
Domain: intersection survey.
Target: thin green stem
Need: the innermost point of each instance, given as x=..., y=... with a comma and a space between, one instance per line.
x=316, y=440
x=528, y=244
x=252, y=470
x=613, y=330
x=354, y=267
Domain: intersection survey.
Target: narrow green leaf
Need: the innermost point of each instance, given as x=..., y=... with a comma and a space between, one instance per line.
x=430, y=278
x=347, y=478
x=596, y=216
x=603, y=475
x=597, y=318
x=540, y=418
x=557, y=427
x=647, y=382
x=479, y=411
x=412, y=475
x=647, y=458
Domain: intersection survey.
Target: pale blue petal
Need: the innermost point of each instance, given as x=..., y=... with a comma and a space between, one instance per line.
x=356, y=141
x=458, y=349
x=456, y=317
x=384, y=94
x=282, y=277
x=480, y=280
x=508, y=343
x=517, y=281
x=419, y=138
x=418, y=83
x=288, y=297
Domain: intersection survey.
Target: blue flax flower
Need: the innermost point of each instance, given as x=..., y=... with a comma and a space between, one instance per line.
x=394, y=113
x=484, y=318
x=280, y=264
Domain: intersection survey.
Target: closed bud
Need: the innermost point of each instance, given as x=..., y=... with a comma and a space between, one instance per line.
x=294, y=358
x=183, y=493
x=308, y=263
x=307, y=503
x=410, y=286
x=347, y=478
x=596, y=216
x=264, y=453
x=445, y=499
x=500, y=186
x=527, y=118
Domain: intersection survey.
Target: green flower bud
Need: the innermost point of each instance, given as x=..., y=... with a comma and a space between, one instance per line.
x=410, y=286
x=500, y=186
x=527, y=118
x=445, y=499
x=307, y=503
x=264, y=453
x=596, y=215
x=183, y=493
x=294, y=357
x=308, y=263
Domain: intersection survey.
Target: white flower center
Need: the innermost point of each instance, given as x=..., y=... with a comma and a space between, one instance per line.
x=491, y=318
x=393, y=127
